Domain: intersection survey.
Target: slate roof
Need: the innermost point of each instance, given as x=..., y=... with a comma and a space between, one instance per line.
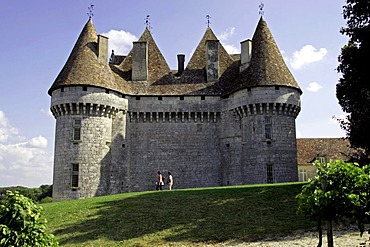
x=267, y=67
x=84, y=68
x=308, y=149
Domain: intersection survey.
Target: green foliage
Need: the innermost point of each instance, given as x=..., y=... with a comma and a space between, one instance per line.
x=35, y=194
x=339, y=190
x=353, y=89
x=21, y=223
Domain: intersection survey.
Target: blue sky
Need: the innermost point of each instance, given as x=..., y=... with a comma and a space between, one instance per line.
x=38, y=36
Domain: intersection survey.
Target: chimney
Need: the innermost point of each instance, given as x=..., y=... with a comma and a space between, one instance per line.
x=180, y=64
x=246, y=54
x=102, y=48
x=140, y=61
x=212, y=60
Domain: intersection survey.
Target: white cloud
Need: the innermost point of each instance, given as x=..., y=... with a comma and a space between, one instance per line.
x=308, y=54
x=39, y=142
x=120, y=41
x=227, y=34
x=26, y=163
x=224, y=39
x=6, y=131
x=231, y=49
x=314, y=87
x=47, y=112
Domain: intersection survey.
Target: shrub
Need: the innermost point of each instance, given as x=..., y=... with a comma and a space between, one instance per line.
x=21, y=223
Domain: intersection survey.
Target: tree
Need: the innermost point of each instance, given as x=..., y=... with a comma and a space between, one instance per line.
x=21, y=223
x=353, y=89
x=339, y=190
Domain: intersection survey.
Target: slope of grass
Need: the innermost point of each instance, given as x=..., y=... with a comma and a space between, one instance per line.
x=177, y=217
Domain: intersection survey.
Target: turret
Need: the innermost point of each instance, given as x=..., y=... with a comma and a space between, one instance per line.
x=266, y=104
x=84, y=105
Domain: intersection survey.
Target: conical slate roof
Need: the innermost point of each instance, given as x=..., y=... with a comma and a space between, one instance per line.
x=83, y=66
x=267, y=67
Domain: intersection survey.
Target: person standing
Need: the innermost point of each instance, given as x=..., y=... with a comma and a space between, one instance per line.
x=170, y=181
x=160, y=183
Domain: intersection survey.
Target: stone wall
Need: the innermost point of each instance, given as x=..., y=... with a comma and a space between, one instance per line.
x=202, y=140
x=177, y=135
x=94, y=108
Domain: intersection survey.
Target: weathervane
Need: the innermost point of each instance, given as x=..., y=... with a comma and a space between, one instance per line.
x=90, y=14
x=147, y=23
x=208, y=20
x=261, y=12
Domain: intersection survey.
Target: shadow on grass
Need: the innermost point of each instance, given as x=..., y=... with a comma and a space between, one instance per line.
x=191, y=215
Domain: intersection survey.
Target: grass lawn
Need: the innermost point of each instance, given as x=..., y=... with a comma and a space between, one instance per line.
x=178, y=217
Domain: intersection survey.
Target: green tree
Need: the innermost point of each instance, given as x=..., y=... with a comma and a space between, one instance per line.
x=339, y=190
x=21, y=223
x=353, y=89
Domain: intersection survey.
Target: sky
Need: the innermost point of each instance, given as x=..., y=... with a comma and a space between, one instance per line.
x=38, y=36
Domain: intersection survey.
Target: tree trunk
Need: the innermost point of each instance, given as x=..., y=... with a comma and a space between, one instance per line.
x=329, y=232
x=319, y=228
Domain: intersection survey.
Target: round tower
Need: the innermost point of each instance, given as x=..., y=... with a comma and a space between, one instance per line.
x=266, y=105
x=85, y=106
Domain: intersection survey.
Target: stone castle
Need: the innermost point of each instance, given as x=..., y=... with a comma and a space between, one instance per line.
x=224, y=119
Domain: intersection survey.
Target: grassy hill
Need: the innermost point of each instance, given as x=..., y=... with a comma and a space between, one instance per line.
x=179, y=217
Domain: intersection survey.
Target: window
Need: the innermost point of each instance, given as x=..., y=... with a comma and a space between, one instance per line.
x=77, y=129
x=302, y=175
x=74, y=175
x=84, y=88
x=107, y=91
x=181, y=97
x=137, y=97
x=270, y=174
x=160, y=98
x=268, y=127
x=203, y=97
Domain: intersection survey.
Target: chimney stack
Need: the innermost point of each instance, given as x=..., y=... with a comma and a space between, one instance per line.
x=140, y=61
x=246, y=54
x=212, y=60
x=180, y=64
x=102, y=48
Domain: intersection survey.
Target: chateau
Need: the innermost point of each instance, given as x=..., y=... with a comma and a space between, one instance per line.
x=221, y=119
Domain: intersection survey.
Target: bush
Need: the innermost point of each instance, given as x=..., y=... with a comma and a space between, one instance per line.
x=21, y=223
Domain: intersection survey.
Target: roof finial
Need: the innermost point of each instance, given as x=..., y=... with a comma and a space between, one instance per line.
x=147, y=23
x=261, y=12
x=90, y=14
x=208, y=20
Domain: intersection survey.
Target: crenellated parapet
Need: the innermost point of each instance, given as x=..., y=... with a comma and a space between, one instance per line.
x=267, y=109
x=177, y=117
x=87, y=109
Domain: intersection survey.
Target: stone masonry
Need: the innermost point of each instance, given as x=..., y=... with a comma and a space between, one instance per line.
x=220, y=121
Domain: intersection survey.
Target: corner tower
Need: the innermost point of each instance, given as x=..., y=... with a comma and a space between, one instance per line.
x=265, y=103
x=85, y=106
